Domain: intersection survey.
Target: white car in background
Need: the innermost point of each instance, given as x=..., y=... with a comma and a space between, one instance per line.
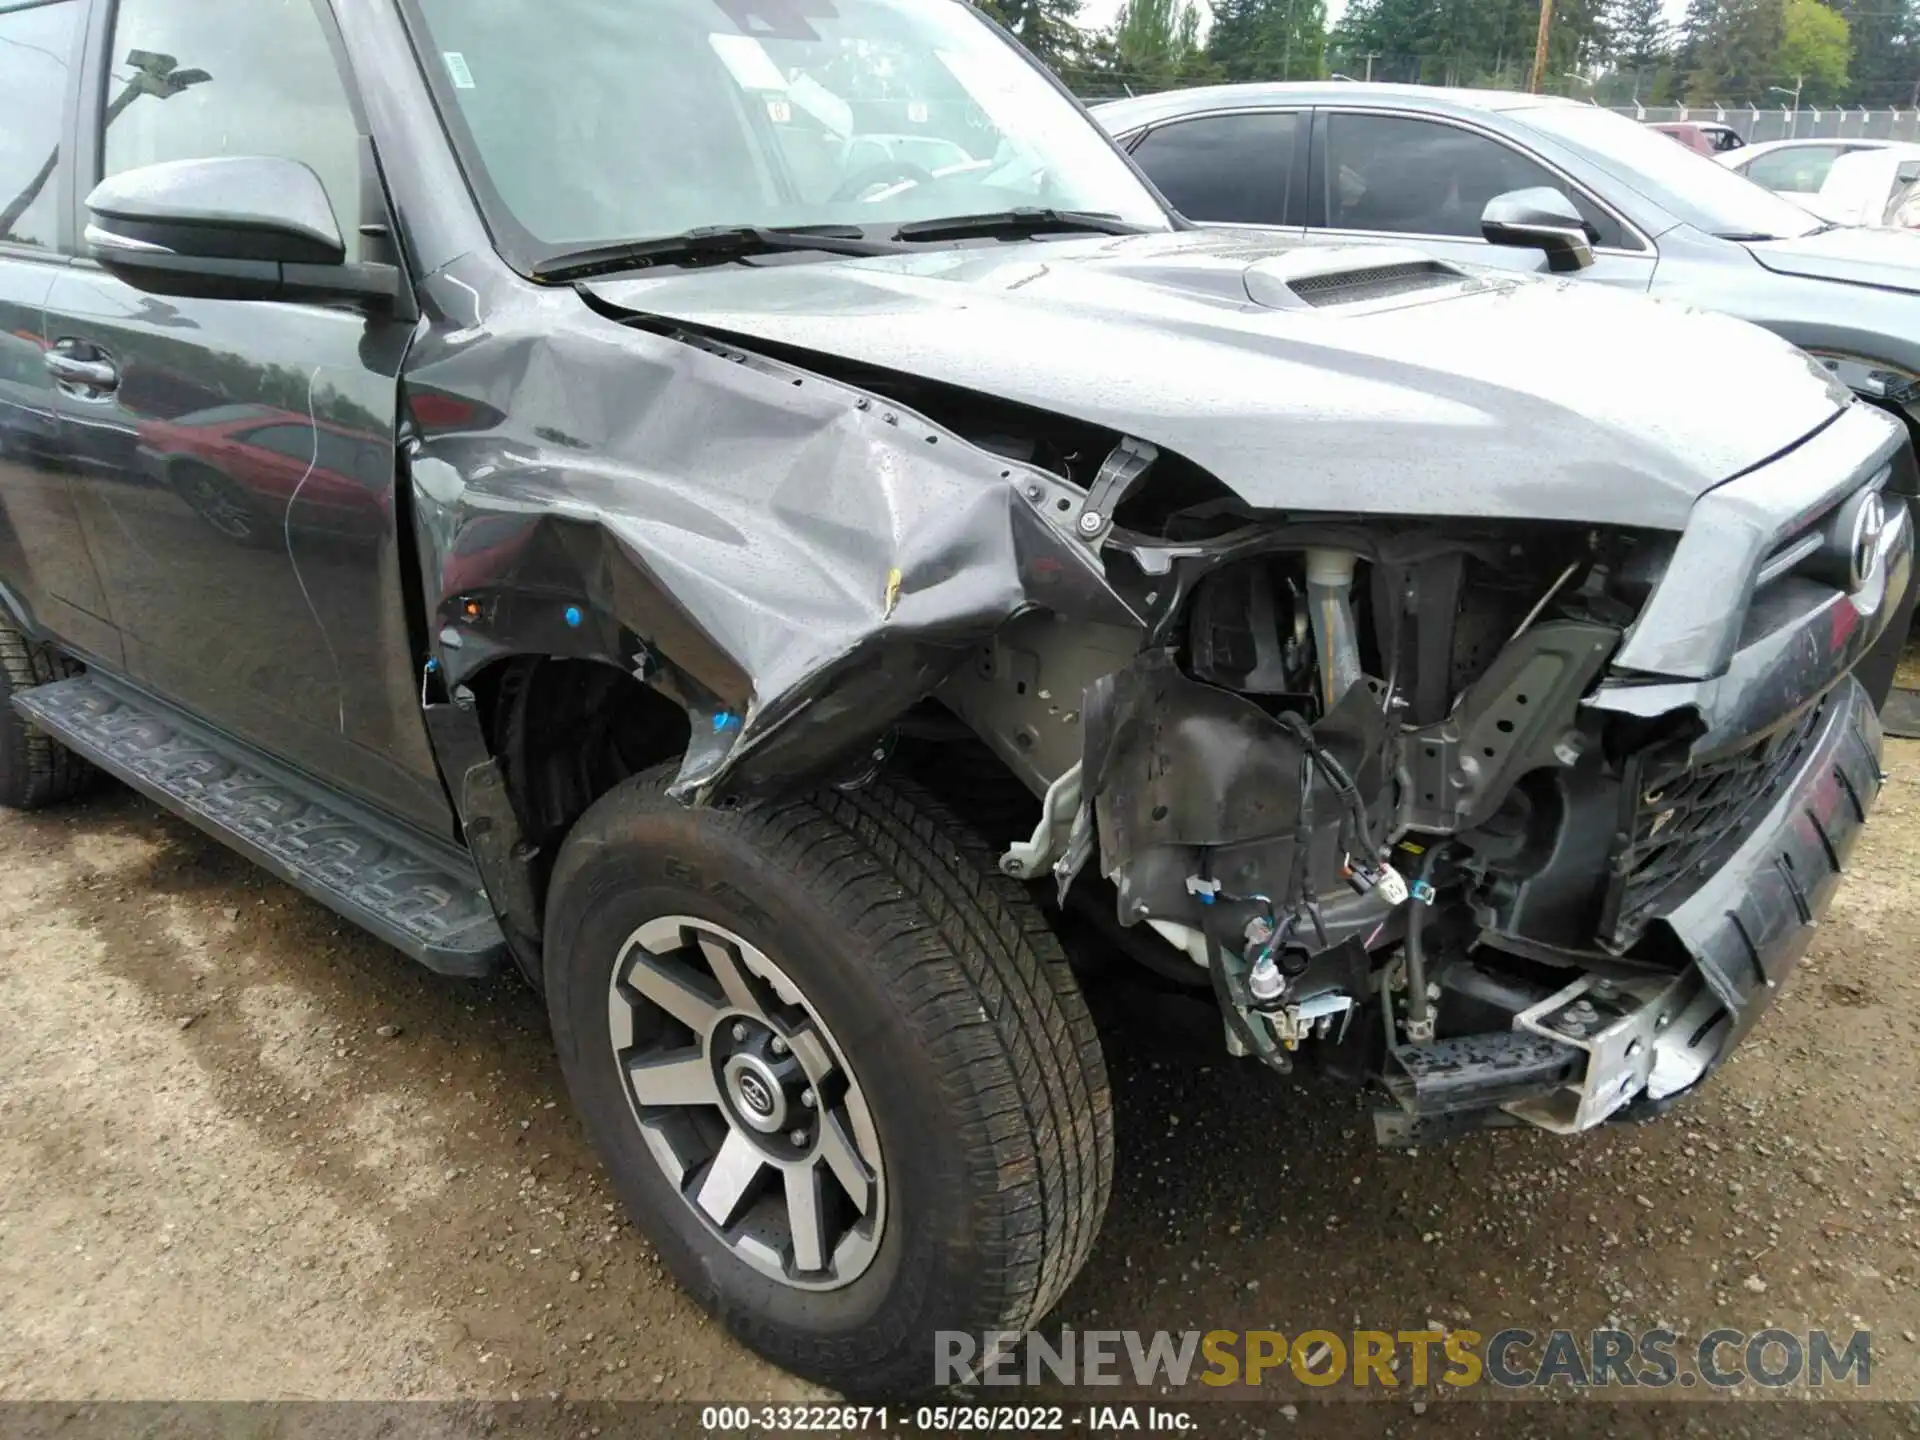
x=1794, y=168
x=1872, y=187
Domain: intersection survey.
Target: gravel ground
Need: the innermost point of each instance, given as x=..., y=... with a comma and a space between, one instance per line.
x=250, y=1154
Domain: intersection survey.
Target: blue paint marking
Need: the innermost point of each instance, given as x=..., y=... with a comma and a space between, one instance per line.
x=574, y=617
x=725, y=721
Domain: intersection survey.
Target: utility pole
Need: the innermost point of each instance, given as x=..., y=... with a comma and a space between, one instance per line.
x=1368, y=57
x=1540, y=48
x=10, y=216
x=1799, y=84
x=156, y=75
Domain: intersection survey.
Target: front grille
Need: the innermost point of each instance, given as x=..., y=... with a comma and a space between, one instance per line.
x=1680, y=827
x=1378, y=282
x=1799, y=552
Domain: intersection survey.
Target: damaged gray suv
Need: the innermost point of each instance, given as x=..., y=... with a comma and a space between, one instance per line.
x=751, y=512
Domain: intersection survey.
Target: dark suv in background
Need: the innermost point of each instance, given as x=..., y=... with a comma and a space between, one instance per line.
x=755, y=515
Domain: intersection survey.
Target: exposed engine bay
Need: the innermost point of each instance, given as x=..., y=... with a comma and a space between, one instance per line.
x=1353, y=781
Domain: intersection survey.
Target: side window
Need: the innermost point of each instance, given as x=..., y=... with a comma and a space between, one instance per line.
x=295, y=442
x=1800, y=168
x=346, y=456
x=1903, y=207
x=36, y=49
x=1418, y=177
x=199, y=78
x=1227, y=169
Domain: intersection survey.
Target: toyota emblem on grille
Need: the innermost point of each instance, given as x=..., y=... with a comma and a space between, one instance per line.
x=1868, y=523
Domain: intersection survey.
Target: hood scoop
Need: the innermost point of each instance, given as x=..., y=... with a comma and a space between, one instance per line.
x=1317, y=279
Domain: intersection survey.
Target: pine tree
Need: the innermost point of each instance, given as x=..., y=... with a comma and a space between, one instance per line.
x=1696, y=31
x=1155, y=45
x=1400, y=35
x=1469, y=42
x=1735, y=55
x=1045, y=27
x=1268, y=39
x=1886, y=52
x=1638, y=37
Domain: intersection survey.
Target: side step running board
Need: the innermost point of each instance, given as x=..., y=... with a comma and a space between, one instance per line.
x=420, y=896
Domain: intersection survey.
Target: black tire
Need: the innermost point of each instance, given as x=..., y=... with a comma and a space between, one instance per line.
x=976, y=784
x=951, y=998
x=35, y=769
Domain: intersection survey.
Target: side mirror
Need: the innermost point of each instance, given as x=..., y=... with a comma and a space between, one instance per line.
x=1539, y=219
x=228, y=228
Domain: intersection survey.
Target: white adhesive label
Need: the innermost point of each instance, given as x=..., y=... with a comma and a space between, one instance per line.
x=457, y=69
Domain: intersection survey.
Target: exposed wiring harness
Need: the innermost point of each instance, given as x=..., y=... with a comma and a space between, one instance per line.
x=1299, y=906
x=1302, y=902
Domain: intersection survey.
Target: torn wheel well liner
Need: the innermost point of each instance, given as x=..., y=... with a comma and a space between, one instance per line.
x=567, y=731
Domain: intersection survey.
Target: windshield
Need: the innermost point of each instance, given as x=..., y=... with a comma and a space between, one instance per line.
x=1702, y=192
x=585, y=122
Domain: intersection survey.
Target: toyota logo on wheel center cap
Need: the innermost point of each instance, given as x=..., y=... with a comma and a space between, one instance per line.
x=754, y=1094
x=753, y=1088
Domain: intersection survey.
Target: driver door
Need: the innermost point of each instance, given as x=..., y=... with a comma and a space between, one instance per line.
x=233, y=461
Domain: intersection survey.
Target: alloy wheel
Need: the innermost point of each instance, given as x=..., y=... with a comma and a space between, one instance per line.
x=746, y=1102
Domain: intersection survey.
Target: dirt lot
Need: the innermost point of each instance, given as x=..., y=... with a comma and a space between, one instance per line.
x=251, y=1154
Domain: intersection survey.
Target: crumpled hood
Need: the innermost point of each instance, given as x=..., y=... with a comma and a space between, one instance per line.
x=1884, y=258
x=1492, y=395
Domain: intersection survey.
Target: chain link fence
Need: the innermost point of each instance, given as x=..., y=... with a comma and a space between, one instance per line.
x=1757, y=123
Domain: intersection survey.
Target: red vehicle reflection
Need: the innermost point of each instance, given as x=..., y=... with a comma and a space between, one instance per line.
x=239, y=467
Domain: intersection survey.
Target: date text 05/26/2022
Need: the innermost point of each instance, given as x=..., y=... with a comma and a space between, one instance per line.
x=956, y=1419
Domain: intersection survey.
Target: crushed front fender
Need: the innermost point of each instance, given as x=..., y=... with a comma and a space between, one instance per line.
x=794, y=560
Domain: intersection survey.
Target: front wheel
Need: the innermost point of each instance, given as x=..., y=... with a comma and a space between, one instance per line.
x=36, y=770
x=837, y=1067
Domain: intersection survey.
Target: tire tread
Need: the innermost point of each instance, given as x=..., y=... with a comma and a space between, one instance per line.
x=985, y=986
x=36, y=770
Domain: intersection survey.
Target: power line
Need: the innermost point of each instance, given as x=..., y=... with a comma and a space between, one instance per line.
x=59, y=60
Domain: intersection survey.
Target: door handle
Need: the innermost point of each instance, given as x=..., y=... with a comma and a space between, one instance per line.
x=92, y=374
